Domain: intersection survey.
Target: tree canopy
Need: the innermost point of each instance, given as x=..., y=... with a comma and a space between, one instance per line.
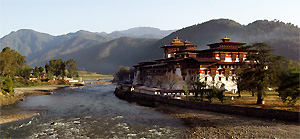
x=11, y=62
x=124, y=73
x=72, y=68
x=289, y=82
x=58, y=68
x=260, y=71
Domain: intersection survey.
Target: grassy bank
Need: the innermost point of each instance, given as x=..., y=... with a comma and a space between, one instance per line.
x=93, y=76
x=8, y=100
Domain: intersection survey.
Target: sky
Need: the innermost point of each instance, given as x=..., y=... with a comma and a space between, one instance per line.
x=58, y=17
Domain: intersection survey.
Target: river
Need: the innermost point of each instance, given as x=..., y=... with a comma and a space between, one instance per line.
x=89, y=112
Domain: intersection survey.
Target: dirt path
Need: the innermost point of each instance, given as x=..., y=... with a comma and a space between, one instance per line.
x=203, y=124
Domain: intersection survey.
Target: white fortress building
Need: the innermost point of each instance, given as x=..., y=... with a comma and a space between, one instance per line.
x=216, y=66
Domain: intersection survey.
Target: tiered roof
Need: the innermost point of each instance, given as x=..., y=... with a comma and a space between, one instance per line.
x=177, y=43
x=225, y=46
x=226, y=43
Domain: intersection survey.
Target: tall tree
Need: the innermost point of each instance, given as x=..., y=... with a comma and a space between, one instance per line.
x=36, y=72
x=199, y=88
x=41, y=69
x=47, y=67
x=289, y=82
x=124, y=73
x=72, y=69
x=260, y=69
x=11, y=62
x=57, y=67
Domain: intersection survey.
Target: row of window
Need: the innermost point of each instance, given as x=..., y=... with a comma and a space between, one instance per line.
x=220, y=78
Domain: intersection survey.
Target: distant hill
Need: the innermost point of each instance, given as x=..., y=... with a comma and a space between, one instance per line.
x=140, y=32
x=103, y=53
x=31, y=43
x=106, y=57
x=28, y=41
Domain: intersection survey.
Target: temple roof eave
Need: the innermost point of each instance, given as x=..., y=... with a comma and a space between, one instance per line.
x=226, y=43
x=177, y=45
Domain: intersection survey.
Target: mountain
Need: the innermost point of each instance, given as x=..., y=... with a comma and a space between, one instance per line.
x=103, y=53
x=147, y=32
x=77, y=41
x=27, y=41
x=141, y=32
x=32, y=44
x=106, y=57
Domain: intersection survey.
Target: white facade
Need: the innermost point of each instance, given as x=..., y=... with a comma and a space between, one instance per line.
x=189, y=63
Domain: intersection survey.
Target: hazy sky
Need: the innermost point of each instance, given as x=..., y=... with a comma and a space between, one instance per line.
x=58, y=17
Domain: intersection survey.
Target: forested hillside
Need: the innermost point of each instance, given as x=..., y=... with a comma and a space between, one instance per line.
x=105, y=58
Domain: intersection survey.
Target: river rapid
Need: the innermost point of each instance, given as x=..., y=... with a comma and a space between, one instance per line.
x=91, y=111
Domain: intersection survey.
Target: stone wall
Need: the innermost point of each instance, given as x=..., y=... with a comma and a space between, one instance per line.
x=227, y=109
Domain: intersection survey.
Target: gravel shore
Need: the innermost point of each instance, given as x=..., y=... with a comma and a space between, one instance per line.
x=15, y=117
x=37, y=90
x=204, y=124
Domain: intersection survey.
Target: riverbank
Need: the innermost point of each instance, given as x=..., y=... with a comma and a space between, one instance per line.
x=20, y=94
x=204, y=124
x=15, y=117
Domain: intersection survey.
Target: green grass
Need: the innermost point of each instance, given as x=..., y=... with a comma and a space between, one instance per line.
x=92, y=76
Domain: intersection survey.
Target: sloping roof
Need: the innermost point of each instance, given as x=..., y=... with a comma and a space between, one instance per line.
x=226, y=43
x=176, y=45
x=154, y=65
x=232, y=49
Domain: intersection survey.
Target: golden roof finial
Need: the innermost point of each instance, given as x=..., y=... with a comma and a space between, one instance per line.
x=226, y=39
x=176, y=40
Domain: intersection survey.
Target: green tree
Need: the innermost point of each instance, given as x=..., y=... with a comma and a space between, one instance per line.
x=289, y=82
x=41, y=69
x=186, y=91
x=72, y=69
x=26, y=72
x=7, y=86
x=11, y=62
x=218, y=93
x=47, y=67
x=57, y=67
x=36, y=72
x=199, y=89
x=123, y=73
x=260, y=69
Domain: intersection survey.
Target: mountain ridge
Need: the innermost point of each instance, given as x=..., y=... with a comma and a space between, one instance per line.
x=100, y=52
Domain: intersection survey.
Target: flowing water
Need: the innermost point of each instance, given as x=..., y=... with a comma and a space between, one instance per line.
x=89, y=112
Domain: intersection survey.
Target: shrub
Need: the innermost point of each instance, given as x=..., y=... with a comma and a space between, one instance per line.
x=62, y=83
x=8, y=85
